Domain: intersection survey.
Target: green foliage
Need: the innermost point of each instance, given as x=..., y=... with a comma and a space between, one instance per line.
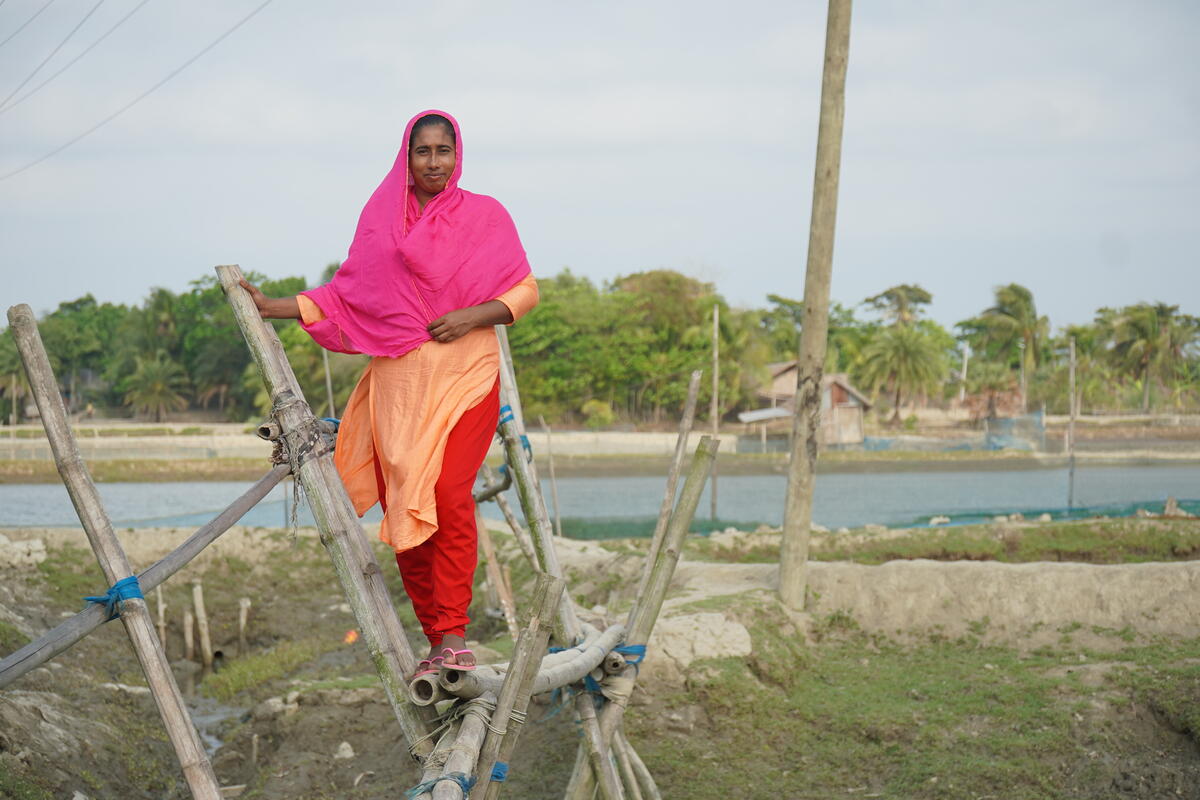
x=156, y=386
x=904, y=359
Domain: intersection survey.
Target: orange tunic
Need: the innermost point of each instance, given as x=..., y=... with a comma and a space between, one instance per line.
x=394, y=428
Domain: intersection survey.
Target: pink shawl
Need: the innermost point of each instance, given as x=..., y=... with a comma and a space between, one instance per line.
x=404, y=271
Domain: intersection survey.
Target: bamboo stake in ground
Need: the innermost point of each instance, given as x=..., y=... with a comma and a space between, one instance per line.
x=341, y=533
x=714, y=412
x=495, y=575
x=135, y=616
x=513, y=700
x=797, y=515
x=68, y=633
x=206, y=651
x=162, y=617
x=189, y=642
x=243, y=618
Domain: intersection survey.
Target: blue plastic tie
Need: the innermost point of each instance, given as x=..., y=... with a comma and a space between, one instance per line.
x=337, y=423
x=528, y=447
x=124, y=589
x=506, y=414
x=590, y=684
x=464, y=782
x=499, y=771
x=638, y=650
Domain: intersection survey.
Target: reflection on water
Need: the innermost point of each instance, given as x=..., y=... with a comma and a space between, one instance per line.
x=841, y=499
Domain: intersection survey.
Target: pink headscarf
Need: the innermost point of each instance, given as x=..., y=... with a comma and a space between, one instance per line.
x=406, y=268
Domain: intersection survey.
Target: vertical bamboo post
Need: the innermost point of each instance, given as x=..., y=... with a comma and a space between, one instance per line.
x=243, y=619
x=553, y=480
x=655, y=581
x=1071, y=433
x=341, y=533
x=962, y=376
x=533, y=504
x=162, y=617
x=206, y=651
x=495, y=575
x=189, y=642
x=254, y=750
x=134, y=614
x=513, y=700
x=668, y=501
x=714, y=412
x=793, y=568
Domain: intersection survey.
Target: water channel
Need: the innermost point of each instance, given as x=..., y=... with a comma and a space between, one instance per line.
x=630, y=504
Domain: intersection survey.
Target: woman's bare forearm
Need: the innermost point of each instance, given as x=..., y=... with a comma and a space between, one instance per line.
x=280, y=308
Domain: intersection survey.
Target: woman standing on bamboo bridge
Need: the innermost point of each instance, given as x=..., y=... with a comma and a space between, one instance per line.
x=431, y=269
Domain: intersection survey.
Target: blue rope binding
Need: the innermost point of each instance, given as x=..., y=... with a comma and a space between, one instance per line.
x=638, y=650
x=499, y=771
x=122, y=590
x=506, y=415
x=464, y=782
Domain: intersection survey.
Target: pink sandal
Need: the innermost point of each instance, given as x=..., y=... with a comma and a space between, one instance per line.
x=432, y=667
x=454, y=654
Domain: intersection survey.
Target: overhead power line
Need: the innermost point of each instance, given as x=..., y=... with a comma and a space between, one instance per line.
x=70, y=63
x=38, y=68
x=36, y=14
x=139, y=98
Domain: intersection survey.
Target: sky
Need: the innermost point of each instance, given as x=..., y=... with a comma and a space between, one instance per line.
x=1055, y=145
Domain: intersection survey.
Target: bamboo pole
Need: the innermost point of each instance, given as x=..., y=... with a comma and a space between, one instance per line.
x=341, y=533
x=556, y=671
x=64, y=636
x=495, y=575
x=621, y=748
x=135, y=616
x=649, y=787
x=465, y=751
x=529, y=491
x=797, y=517
x=519, y=533
x=189, y=641
x=1071, y=433
x=162, y=616
x=668, y=501
x=553, y=481
x=328, y=383
x=243, y=618
x=206, y=651
x=656, y=580
x=714, y=412
x=436, y=761
x=513, y=700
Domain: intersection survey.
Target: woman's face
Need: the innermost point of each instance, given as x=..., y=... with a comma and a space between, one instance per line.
x=431, y=159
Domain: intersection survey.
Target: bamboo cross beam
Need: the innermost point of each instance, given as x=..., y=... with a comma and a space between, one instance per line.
x=64, y=636
x=519, y=533
x=134, y=614
x=513, y=700
x=341, y=533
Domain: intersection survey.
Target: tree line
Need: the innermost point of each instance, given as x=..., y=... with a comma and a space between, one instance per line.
x=621, y=352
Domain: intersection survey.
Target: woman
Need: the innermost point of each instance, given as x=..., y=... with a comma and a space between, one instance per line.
x=431, y=269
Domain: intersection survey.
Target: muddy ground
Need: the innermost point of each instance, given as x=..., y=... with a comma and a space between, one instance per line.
x=298, y=713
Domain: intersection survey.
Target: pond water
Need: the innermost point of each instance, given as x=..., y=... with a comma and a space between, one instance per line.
x=840, y=499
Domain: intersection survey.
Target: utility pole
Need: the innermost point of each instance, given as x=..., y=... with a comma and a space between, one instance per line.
x=962, y=378
x=714, y=408
x=1071, y=433
x=797, y=513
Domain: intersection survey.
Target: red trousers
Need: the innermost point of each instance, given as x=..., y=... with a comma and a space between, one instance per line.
x=439, y=573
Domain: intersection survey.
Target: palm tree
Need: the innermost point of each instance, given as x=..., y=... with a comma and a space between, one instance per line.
x=156, y=386
x=900, y=303
x=1011, y=330
x=903, y=359
x=1151, y=340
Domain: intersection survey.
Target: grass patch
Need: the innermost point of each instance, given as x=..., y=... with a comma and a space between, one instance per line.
x=11, y=639
x=19, y=787
x=71, y=574
x=141, y=470
x=260, y=668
